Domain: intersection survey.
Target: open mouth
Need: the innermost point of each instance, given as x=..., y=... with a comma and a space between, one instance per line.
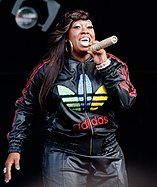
x=85, y=41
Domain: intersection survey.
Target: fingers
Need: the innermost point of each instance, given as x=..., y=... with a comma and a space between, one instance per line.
x=7, y=171
x=17, y=163
x=13, y=158
x=98, y=56
x=91, y=53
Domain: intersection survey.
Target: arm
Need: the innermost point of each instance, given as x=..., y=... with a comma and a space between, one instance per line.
x=26, y=108
x=116, y=79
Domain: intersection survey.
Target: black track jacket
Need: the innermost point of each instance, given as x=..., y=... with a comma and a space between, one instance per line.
x=81, y=106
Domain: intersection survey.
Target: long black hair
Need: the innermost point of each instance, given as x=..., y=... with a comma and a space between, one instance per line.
x=57, y=54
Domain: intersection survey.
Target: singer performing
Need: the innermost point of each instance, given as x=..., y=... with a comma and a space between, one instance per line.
x=76, y=94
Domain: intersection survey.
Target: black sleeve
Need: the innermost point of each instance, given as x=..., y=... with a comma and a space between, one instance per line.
x=117, y=81
x=26, y=108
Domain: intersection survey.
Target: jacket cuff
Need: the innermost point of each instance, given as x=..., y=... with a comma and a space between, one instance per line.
x=14, y=148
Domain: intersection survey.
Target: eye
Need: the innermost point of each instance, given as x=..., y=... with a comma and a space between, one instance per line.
x=90, y=27
x=76, y=26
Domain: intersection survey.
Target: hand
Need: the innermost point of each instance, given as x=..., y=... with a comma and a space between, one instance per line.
x=98, y=56
x=13, y=158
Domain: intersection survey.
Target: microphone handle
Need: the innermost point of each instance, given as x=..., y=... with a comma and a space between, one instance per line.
x=104, y=43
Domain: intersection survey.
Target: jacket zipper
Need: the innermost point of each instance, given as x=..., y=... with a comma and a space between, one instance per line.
x=85, y=105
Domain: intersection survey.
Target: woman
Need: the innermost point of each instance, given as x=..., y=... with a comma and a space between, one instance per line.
x=78, y=92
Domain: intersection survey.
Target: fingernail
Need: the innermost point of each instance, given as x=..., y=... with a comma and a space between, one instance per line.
x=18, y=168
x=6, y=181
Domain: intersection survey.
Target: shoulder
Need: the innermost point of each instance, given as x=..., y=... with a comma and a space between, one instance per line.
x=39, y=70
x=115, y=58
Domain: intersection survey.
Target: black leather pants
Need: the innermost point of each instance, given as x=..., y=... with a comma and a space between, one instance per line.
x=61, y=169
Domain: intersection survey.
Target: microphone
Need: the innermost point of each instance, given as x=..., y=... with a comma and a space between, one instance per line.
x=104, y=43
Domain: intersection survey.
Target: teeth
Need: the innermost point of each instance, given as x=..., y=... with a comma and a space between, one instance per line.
x=85, y=41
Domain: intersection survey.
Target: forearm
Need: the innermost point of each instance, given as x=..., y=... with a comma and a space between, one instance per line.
x=116, y=80
x=20, y=130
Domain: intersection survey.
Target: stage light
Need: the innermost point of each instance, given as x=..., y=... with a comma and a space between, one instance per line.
x=26, y=17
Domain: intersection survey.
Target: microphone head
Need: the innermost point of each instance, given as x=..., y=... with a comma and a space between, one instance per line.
x=114, y=39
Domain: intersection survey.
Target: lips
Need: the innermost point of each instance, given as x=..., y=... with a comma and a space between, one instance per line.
x=85, y=41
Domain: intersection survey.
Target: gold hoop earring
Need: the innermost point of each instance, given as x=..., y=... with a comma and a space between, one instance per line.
x=68, y=46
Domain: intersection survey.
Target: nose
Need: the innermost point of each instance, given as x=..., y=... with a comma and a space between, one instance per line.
x=85, y=30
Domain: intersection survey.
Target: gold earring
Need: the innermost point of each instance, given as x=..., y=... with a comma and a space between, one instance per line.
x=68, y=46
